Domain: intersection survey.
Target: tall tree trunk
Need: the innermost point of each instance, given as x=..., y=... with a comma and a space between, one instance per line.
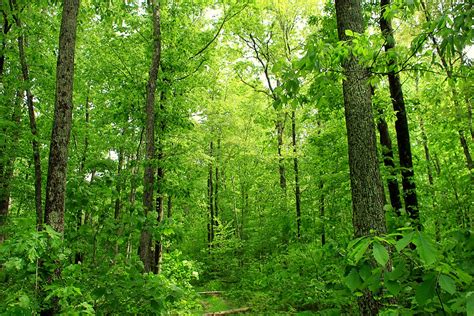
x=149, y=178
x=31, y=113
x=58, y=154
x=216, y=184
x=297, y=181
x=401, y=123
x=366, y=183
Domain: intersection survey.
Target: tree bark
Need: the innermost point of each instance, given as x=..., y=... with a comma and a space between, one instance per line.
x=296, y=169
x=149, y=178
x=401, y=123
x=58, y=154
x=31, y=113
x=388, y=161
x=366, y=184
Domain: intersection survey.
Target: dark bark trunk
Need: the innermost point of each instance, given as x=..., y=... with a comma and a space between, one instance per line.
x=5, y=29
x=280, y=127
x=389, y=163
x=58, y=154
x=366, y=183
x=297, y=181
x=31, y=113
x=149, y=178
x=401, y=123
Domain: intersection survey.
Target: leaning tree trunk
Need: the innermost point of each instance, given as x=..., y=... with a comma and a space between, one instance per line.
x=366, y=183
x=149, y=178
x=34, y=131
x=401, y=123
x=58, y=153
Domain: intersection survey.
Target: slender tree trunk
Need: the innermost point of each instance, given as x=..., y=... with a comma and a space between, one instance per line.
x=31, y=113
x=58, y=154
x=388, y=161
x=401, y=123
x=366, y=184
x=160, y=201
x=135, y=169
x=149, y=178
x=216, y=184
x=297, y=182
x=280, y=127
x=6, y=28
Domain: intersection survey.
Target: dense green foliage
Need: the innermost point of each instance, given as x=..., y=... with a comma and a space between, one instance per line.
x=233, y=75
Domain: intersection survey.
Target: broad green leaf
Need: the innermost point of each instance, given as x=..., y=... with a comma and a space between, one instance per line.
x=425, y=248
x=393, y=287
x=425, y=290
x=353, y=280
x=359, y=249
x=380, y=253
x=447, y=283
x=405, y=241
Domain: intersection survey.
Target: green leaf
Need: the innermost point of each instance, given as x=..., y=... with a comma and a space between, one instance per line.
x=380, y=253
x=425, y=249
x=447, y=284
x=405, y=241
x=349, y=33
x=425, y=290
x=359, y=249
x=393, y=287
x=353, y=280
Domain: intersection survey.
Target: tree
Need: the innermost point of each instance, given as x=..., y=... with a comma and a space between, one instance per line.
x=31, y=113
x=58, y=153
x=366, y=184
x=401, y=124
x=149, y=178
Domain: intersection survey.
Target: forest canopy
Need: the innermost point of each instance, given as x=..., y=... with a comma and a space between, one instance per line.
x=221, y=157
